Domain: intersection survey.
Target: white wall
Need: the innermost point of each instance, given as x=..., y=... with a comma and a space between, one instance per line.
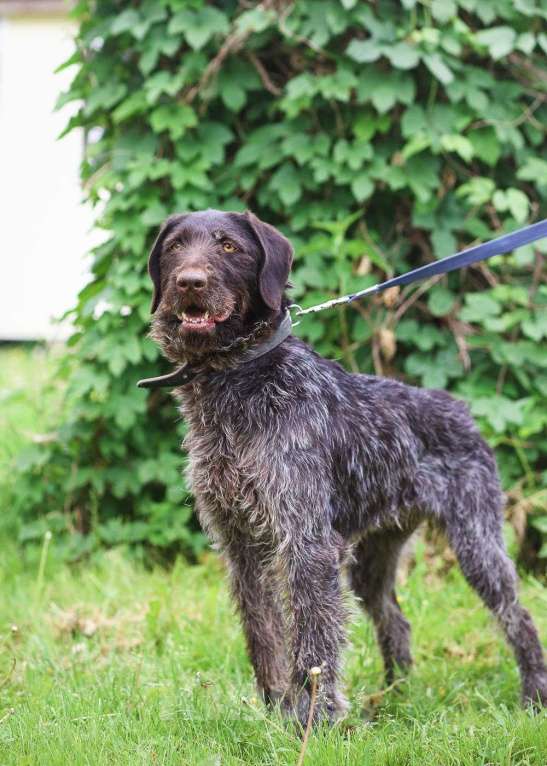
x=44, y=228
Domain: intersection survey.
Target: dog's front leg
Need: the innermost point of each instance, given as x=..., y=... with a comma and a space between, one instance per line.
x=254, y=589
x=311, y=564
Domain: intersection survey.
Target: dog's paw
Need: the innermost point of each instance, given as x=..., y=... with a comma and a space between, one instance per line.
x=328, y=708
x=272, y=697
x=534, y=691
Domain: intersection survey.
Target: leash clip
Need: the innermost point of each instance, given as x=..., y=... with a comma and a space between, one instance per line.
x=299, y=311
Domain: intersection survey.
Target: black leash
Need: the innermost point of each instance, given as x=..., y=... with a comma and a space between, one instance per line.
x=187, y=373
x=497, y=246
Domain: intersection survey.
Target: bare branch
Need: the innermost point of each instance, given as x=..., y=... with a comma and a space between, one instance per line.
x=232, y=44
x=270, y=86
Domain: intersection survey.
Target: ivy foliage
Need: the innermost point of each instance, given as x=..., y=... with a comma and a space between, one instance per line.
x=377, y=137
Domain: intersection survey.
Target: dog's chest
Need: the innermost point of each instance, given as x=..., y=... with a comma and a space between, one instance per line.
x=226, y=468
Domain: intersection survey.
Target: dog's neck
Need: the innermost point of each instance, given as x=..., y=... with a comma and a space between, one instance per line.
x=229, y=356
x=263, y=338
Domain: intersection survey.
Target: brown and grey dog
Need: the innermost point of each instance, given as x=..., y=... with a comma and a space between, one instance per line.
x=293, y=461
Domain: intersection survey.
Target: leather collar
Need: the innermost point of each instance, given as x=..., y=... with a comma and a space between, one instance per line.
x=187, y=373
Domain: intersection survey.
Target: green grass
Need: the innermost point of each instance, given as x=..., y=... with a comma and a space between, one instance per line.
x=24, y=407
x=27, y=408
x=106, y=662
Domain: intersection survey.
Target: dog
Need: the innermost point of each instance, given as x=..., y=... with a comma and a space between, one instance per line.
x=301, y=469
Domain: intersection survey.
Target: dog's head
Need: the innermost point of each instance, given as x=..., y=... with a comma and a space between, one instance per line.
x=216, y=276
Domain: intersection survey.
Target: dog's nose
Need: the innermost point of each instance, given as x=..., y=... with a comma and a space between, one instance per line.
x=192, y=279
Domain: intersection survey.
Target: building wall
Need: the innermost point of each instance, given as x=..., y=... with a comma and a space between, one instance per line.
x=45, y=231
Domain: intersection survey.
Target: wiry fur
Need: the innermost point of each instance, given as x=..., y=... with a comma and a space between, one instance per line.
x=293, y=460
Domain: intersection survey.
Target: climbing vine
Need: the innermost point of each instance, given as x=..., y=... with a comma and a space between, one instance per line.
x=377, y=136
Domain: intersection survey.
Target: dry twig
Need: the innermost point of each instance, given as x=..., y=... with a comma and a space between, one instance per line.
x=314, y=676
x=457, y=330
x=403, y=308
x=270, y=86
x=232, y=44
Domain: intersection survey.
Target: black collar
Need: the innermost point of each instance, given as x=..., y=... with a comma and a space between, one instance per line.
x=187, y=373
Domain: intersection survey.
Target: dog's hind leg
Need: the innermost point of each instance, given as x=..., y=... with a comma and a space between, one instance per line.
x=372, y=577
x=474, y=531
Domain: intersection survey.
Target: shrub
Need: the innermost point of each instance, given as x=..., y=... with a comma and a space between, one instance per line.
x=378, y=137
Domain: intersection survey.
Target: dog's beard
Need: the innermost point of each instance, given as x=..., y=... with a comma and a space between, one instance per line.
x=180, y=342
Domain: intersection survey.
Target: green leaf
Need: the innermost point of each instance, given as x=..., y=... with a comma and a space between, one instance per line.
x=499, y=411
x=485, y=145
x=362, y=187
x=154, y=214
x=313, y=276
x=424, y=336
x=364, y=51
x=500, y=41
x=459, y=144
x=443, y=10
x=255, y=20
x=536, y=327
x=449, y=360
x=339, y=85
x=136, y=103
x=287, y=184
x=213, y=137
x=534, y=170
x=403, y=55
x=163, y=82
x=440, y=301
x=105, y=97
x=233, y=95
x=174, y=118
x=156, y=45
x=444, y=243
x=540, y=523
x=518, y=204
x=427, y=370
x=384, y=97
x=438, y=68
x=513, y=200
x=414, y=121
x=479, y=306
x=477, y=191
x=526, y=42
x=198, y=27
x=124, y=22
x=421, y=172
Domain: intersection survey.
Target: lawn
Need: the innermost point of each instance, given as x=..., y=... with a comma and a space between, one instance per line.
x=107, y=662
x=26, y=408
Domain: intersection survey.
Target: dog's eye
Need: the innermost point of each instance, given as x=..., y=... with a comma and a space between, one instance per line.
x=228, y=247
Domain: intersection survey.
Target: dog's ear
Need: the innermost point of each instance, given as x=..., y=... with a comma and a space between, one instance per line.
x=278, y=254
x=154, y=258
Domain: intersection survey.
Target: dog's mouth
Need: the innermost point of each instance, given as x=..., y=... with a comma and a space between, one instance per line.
x=195, y=318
